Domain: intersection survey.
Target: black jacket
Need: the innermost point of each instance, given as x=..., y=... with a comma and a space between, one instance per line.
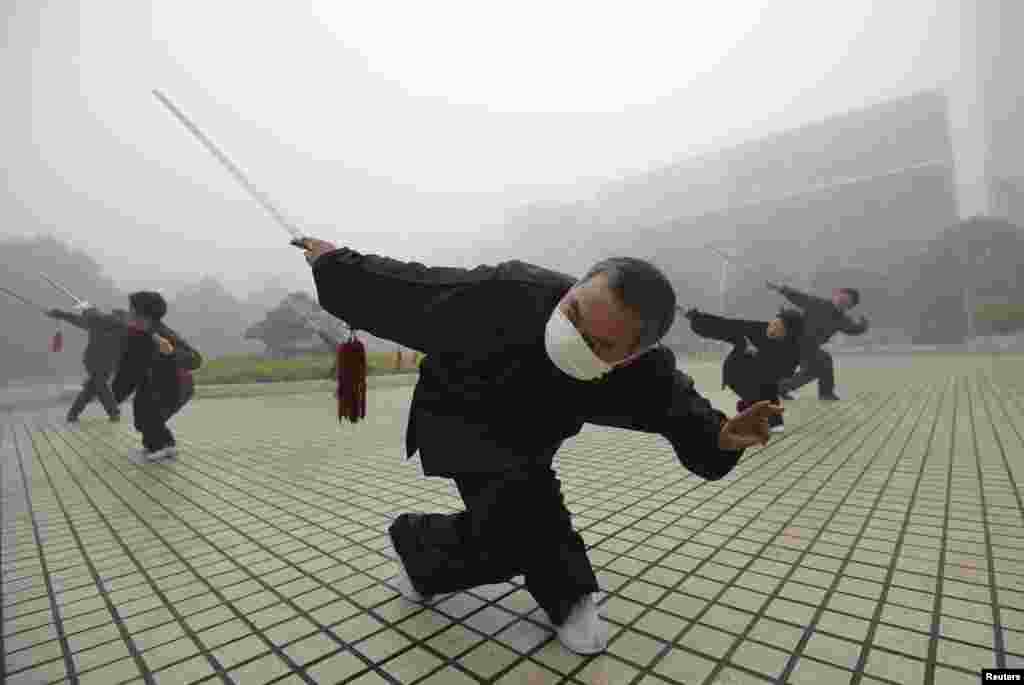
x=103, y=349
x=143, y=368
x=822, y=318
x=488, y=397
x=776, y=358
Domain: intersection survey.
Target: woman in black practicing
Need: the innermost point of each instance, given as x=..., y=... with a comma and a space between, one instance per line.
x=157, y=365
x=763, y=353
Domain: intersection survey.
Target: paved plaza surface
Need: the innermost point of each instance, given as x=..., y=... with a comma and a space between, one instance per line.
x=879, y=540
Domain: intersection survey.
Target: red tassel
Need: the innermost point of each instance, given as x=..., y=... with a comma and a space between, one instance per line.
x=57, y=343
x=351, y=391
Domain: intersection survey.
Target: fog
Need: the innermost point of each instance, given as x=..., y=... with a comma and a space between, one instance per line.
x=401, y=128
x=821, y=143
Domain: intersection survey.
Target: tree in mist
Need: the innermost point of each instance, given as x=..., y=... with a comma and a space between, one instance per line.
x=999, y=319
x=24, y=350
x=974, y=266
x=269, y=295
x=284, y=330
x=212, y=318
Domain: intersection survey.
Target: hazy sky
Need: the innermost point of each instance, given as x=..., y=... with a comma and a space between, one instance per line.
x=403, y=128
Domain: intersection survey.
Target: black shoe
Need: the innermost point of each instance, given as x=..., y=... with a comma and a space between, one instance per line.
x=72, y=419
x=775, y=423
x=398, y=532
x=114, y=418
x=829, y=398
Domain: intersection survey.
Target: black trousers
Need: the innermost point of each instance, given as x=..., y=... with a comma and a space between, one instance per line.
x=152, y=410
x=97, y=385
x=815, y=364
x=747, y=377
x=515, y=523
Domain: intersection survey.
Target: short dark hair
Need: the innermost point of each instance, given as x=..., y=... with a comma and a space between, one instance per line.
x=643, y=289
x=853, y=294
x=148, y=303
x=793, y=321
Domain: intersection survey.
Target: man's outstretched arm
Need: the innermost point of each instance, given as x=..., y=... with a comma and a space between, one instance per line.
x=76, y=320
x=798, y=298
x=653, y=396
x=429, y=309
x=733, y=331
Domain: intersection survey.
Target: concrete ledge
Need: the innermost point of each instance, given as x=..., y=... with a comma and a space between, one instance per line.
x=297, y=387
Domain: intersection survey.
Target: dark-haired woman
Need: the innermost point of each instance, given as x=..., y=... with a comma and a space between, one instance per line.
x=157, y=365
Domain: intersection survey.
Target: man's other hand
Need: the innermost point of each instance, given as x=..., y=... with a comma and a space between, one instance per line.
x=165, y=345
x=315, y=248
x=749, y=428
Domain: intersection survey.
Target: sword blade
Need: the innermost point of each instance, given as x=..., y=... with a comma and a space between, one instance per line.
x=228, y=164
x=18, y=297
x=731, y=259
x=61, y=288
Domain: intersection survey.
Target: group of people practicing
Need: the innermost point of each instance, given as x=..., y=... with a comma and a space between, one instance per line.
x=518, y=358
x=134, y=352
x=762, y=365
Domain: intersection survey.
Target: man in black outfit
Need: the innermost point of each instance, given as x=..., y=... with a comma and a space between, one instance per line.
x=518, y=358
x=822, y=319
x=100, y=358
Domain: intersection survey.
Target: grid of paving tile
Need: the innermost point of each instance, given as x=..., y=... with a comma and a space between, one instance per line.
x=880, y=540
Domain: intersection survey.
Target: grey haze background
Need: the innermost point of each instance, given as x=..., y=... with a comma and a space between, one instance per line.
x=406, y=129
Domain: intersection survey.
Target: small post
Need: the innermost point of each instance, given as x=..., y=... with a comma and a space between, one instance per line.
x=723, y=285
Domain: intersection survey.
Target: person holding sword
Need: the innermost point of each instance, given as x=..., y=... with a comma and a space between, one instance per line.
x=102, y=352
x=763, y=353
x=518, y=358
x=822, y=319
x=156, y=364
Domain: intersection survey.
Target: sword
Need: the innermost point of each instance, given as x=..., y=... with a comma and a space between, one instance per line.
x=730, y=259
x=316, y=325
x=298, y=240
x=727, y=257
x=18, y=297
x=61, y=288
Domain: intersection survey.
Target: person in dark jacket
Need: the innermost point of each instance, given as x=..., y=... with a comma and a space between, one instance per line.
x=518, y=358
x=157, y=365
x=763, y=354
x=101, y=356
x=822, y=319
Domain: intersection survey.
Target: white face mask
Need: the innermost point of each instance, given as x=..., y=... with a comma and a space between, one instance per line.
x=569, y=351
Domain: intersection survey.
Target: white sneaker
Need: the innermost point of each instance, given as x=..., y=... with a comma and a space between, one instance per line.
x=584, y=631
x=157, y=455
x=139, y=455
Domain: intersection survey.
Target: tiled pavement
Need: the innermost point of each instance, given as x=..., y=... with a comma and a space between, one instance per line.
x=879, y=540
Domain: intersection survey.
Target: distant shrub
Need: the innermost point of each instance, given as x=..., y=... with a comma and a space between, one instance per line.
x=999, y=318
x=258, y=369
